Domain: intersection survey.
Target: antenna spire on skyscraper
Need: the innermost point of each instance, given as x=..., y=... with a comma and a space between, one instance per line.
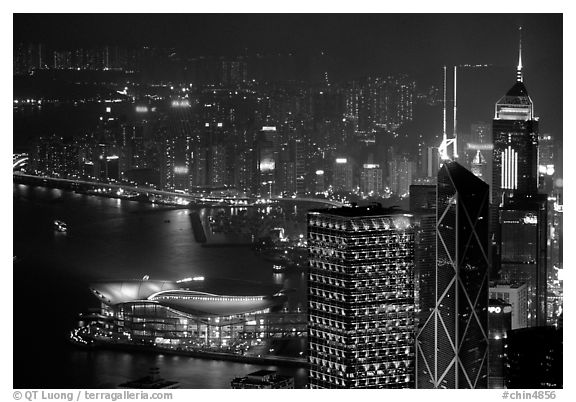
x=519, y=77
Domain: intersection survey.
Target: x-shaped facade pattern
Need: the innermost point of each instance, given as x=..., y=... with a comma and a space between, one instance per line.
x=452, y=345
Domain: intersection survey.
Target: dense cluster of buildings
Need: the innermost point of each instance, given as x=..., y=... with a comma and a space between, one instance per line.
x=452, y=294
x=462, y=290
x=261, y=139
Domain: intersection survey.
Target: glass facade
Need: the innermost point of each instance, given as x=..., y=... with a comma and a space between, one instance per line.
x=515, y=154
x=361, y=298
x=523, y=254
x=453, y=337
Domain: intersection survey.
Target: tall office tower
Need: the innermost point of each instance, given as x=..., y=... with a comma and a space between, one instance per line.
x=453, y=340
x=423, y=206
x=517, y=297
x=546, y=163
x=342, y=175
x=499, y=324
x=533, y=358
x=523, y=254
x=515, y=136
x=515, y=161
x=266, y=159
x=361, y=298
x=371, y=179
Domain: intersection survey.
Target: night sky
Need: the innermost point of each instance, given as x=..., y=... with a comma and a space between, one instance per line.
x=354, y=44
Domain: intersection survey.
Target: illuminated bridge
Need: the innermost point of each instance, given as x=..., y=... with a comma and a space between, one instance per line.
x=147, y=190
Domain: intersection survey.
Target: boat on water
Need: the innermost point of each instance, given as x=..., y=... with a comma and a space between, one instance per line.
x=278, y=268
x=60, y=226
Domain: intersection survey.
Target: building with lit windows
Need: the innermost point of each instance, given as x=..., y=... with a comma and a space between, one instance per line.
x=267, y=160
x=518, y=215
x=515, y=134
x=175, y=315
x=371, y=179
x=452, y=348
x=361, y=298
x=400, y=172
x=523, y=250
x=343, y=175
x=499, y=324
x=533, y=358
x=423, y=206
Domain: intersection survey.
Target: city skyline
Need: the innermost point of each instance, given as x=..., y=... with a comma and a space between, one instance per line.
x=381, y=44
x=353, y=201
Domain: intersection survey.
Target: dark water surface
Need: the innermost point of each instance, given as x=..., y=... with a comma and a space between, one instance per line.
x=112, y=239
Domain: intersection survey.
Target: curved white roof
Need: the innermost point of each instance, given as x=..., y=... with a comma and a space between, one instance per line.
x=201, y=303
x=116, y=292
x=169, y=294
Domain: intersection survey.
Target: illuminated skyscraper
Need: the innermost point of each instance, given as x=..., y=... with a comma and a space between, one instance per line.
x=514, y=191
x=515, y=134
x=361, y=298
x=266, y=160
x=452, y=349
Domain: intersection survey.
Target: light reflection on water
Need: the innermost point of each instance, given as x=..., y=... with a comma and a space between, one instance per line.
x=115, y=239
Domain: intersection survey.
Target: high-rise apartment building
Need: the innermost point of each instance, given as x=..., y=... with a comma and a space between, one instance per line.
x=452, y=348
x=400, y=172
x=361, y=298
